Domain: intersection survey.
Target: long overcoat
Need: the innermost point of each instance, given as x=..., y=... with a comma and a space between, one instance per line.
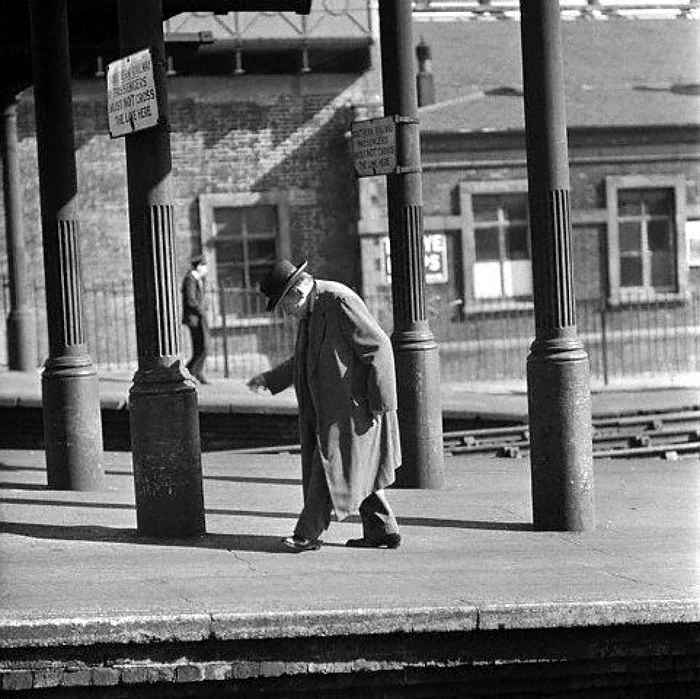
x=343, y=372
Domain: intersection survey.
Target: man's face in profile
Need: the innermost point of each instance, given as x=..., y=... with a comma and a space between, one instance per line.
x=295, y=301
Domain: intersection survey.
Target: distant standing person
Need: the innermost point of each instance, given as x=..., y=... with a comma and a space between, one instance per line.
x=194, y=315
x=343, y=372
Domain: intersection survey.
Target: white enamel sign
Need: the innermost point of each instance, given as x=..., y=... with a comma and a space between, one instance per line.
x=131, y=94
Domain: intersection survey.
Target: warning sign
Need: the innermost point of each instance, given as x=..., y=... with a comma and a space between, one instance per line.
x=132, y=104
x=374, y=146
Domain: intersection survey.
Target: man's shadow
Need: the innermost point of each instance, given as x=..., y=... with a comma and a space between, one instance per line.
x=111, y=535
x=225, y=542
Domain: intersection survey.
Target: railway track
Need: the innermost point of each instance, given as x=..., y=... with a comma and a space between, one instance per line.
x=664, y=434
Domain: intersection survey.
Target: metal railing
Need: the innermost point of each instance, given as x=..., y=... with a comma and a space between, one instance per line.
x=486, y=342
x=570, y=9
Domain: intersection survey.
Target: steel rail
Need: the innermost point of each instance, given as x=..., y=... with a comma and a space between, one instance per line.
x=669, y=434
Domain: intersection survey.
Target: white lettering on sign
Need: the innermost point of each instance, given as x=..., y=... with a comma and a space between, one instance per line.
x=374, y=146
x=132, y=104
x=435, y=258
x=435, y=246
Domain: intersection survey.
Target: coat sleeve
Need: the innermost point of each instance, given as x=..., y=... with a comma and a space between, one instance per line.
x=372, y=346
x=280, y=377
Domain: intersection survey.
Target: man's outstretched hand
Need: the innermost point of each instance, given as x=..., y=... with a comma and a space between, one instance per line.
x=257, y=383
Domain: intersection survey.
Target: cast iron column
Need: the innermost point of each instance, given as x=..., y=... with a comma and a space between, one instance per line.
x=417, y=359
x=557, y=368
x=21, y=330
x=70, y=390
x=163, y=411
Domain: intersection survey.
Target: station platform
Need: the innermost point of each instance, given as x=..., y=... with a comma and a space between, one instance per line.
x=475, y=602
x=498, y=401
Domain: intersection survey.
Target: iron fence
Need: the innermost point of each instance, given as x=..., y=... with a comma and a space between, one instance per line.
x=488, y=342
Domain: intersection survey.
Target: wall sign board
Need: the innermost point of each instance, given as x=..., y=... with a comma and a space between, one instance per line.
x=435, y=260
x=132, y=104
x=374, y=146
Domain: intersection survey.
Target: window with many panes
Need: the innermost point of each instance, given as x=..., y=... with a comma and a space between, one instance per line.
x=647, y=239
x=502, y=266
x=246, y=244
x=646, y=245
x=242, y=235
x=495, y=241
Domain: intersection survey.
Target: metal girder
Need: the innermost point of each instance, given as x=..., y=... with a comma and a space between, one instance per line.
x=93, y=25
x=173, y=7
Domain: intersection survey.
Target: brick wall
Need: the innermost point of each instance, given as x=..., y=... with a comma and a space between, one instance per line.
x=593, y=157
x=228, y=135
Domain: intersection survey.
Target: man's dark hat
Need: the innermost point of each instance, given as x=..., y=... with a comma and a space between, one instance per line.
x=280, y=280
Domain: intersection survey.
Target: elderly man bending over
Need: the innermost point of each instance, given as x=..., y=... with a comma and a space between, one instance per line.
x=343, y=373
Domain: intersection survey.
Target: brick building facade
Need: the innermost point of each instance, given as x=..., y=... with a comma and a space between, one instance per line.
x=634, y=150
x=262, y=146
x=260, y=112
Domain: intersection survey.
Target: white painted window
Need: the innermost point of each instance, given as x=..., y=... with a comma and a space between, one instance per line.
x=647, y=248
x=502, y=267
x=647, y=239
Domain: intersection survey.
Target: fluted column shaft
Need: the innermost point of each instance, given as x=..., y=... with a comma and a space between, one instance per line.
x=558, y=370
x=417, y=359
x=70, y=391
x=21, y=330
x=163, y=401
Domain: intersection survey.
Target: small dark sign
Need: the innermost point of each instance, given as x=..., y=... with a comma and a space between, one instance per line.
x=374, y=146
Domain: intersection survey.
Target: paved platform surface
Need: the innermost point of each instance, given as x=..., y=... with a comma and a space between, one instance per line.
x=74, y=571
x=470, y=553
x=491, y=401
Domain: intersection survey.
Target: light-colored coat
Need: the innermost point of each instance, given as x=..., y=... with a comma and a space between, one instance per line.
x=349, y=363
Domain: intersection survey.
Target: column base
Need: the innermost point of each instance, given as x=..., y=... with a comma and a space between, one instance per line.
x=166, y=450
x=561, y=448
x=72, y=424
x=420, y=412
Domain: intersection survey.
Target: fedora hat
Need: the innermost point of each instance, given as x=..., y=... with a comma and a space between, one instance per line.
x=279, y=280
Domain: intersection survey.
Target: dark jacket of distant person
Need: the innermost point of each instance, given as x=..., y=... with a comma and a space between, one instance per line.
x=193, y=300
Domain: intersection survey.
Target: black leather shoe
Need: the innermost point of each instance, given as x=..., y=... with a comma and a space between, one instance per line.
x=298, y=544
x=391, y=541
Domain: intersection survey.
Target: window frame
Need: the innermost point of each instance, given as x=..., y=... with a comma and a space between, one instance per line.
x=208, y=203
x=468, y=190
x=618, y=294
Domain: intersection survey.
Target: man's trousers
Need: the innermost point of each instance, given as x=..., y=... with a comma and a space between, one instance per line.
x=378, y=519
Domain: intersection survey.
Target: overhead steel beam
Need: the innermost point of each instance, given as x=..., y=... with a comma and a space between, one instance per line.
x=93, y=26
x=172, y=7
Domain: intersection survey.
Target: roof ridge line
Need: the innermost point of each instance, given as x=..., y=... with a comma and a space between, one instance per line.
x=471, y=97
